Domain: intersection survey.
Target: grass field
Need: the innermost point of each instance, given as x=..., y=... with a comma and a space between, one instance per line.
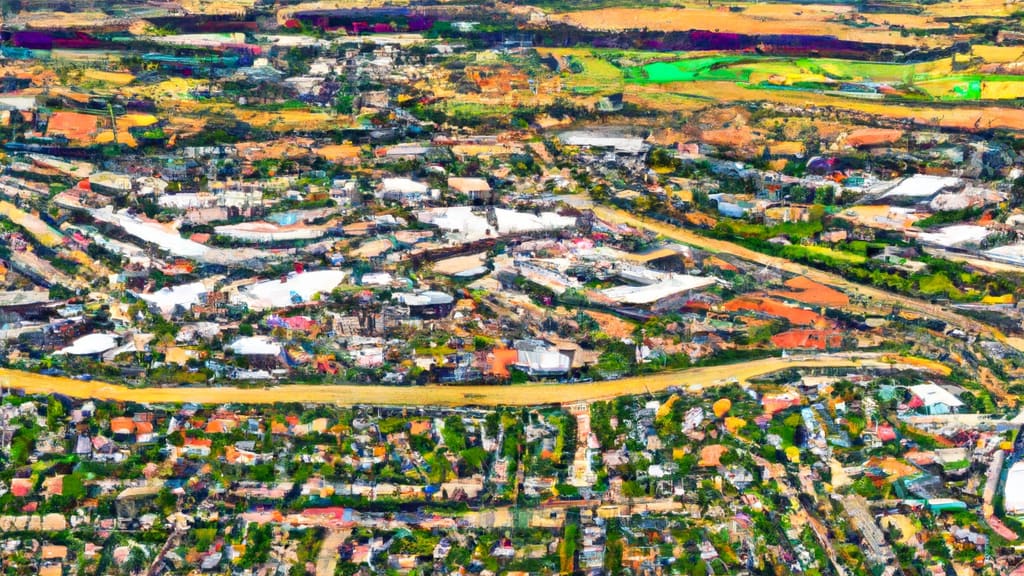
x=607, y=70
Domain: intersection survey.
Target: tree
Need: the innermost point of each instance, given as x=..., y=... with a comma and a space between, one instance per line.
x=61, y=292
x=257, y=550
x=54, y=414
x=663, y=161
x=454, y=434
x=343, y=103
x=136, y=561
x=73, y=489
x=1017, y=192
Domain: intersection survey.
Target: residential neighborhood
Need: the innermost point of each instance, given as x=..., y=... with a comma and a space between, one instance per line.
x=344, y=288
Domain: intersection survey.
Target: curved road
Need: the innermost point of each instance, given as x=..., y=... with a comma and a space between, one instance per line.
x=834, y=280
x=480, y=395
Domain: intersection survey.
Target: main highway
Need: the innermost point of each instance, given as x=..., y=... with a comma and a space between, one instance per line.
x=693, y=379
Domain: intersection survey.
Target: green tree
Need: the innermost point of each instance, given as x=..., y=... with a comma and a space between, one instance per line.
x=73, y=489
x=54, y=414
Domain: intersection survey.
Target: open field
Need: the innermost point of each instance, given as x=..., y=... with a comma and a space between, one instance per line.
x=799, y=19
x=522, y=395
x=673, y=81
x=961, y=118
x=43, y=232
x=756, y=69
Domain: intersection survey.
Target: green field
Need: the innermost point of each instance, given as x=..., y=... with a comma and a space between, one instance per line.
x=743, y=68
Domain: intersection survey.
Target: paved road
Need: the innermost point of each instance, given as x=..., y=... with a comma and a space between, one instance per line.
x=472, y=395
x=327, y=560
x=834, y=280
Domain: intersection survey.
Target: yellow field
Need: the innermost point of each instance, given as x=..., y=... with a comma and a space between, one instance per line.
x=117, y=78
x=289, y=120
x=998, y=54
x=754, y=19
x=287, y=12
x=42, y=232
x=170, y=89
x=347, y=395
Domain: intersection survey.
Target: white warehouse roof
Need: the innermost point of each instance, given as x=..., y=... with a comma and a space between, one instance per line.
x=255, y=346
x=921, y=186
x=932, y=394
x=91, y=344
x=1013, y=500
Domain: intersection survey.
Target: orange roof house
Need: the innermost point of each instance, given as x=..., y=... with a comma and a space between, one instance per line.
x=53, y=486
x=773, y=403
x=501, y=358
x=711, y=456
x=220, y=425
x=808, y=339
x=21, y=487
x=769, y=307
x=419, y=427
x=122, y=425
x=53, y=552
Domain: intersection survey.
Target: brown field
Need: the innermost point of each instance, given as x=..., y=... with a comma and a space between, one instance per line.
x=347, y=395
x=755, y=19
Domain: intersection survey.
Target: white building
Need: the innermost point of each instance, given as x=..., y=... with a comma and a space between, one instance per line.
x=1013, y=498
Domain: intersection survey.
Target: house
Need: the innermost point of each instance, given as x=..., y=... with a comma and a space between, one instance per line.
x=402, y=190
x=503, y=549
x=122, y=426
x=475, y=188
x=778, y=402
x=786, y=214
x=711, y=456
x=21, y=487
x=936, y=399
x=538, y=359
x=808, y=340
x=426, y=304
x=197, y=447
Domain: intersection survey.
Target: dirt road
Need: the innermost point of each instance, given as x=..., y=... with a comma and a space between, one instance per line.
x=479, y=395
x=828, y=278
x=327, y=560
